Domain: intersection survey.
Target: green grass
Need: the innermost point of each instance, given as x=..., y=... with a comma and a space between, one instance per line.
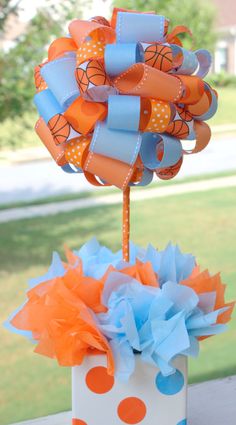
x=19, y=133
x=202, y=223
x=227, y=106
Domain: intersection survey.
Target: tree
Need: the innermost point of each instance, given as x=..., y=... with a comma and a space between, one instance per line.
x=7, y=8
x=198, y=15
x=17, y=65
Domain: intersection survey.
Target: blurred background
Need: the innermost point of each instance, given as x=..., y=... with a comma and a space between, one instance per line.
x=41, y=207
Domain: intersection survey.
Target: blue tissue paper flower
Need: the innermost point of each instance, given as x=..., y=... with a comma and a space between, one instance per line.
x=169, y=264
x=160, y=323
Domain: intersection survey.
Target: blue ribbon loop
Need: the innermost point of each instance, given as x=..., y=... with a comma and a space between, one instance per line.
x=205, y=61
x=68, y=169
x=117, y=144
x=60, y=78
x=119, y=57
x=172, y=150
x=47, y=105
x=146, y=178
x=213, y=108
x=190, y=61
x=134, y=27
x=124, y=112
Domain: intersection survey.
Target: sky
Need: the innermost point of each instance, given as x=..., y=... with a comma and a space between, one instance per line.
x=98, y=7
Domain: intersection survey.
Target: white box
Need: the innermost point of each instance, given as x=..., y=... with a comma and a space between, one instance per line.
x=105, y=401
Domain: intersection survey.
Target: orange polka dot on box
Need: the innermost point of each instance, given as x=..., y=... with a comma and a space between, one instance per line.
x=146, y=399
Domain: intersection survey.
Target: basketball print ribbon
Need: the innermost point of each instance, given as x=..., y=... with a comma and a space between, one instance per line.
x=118, y=97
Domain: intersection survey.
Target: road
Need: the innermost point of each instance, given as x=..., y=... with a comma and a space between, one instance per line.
x=40, y=179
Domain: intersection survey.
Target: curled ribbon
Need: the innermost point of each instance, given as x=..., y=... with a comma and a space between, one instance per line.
x=116, y=98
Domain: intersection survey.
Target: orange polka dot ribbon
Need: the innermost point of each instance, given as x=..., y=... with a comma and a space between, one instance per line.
x=76, y=151
x=131, y=91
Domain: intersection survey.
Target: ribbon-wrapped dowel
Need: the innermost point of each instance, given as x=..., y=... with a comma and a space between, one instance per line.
x=109, y=86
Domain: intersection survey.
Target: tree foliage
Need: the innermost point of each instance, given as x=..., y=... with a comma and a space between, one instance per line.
x=7, y=8
x=17, y=64
x=198, y=15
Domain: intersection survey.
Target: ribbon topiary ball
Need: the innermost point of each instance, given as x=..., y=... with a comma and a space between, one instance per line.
x=116, y=98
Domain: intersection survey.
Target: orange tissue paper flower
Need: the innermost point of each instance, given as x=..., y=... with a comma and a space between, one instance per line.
x=62, y=324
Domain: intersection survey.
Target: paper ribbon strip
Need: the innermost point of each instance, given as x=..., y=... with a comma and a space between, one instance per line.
x=64, y=89
x=90, y=72
x=60, y=47
x=80, y=31
x=159, y=56
x=39, y=82
x=76, y=151
x=177, y=60
x=134, y=27
x=83, y=115
x=118, y=97
x=124, y=112
x=119, y=57
x=46, y=137
x=47, y=105
x=168, y=149
x=145, y=81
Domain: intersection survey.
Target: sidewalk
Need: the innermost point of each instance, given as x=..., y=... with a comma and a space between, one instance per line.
x=138, y=195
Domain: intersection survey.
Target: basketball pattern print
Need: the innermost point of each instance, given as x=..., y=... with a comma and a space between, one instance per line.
x=158, y=56
x=61, y=130
x=169, y=172
x=184, y=113
x=91, y=74
x=40, y=84
x=180, y=127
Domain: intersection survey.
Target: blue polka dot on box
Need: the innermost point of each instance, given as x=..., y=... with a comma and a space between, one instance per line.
x=148, y=398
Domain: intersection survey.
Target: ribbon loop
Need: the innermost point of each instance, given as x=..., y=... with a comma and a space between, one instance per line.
x=56, y=151
x=47, y=105
x=193, y=89
x=117, y=144
x=160, y=151
x=206, y=107
x=205, y=61
x=189, y=62
x=155, y=115
x=142, y=80
x=202, y=136
x=60, y=47
x=134, y=27
x=76, y=151
x=115, y=172
x=64, y=89
x=83, y=115
x=124, y=112
x=84, y=30
x=119, y=57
